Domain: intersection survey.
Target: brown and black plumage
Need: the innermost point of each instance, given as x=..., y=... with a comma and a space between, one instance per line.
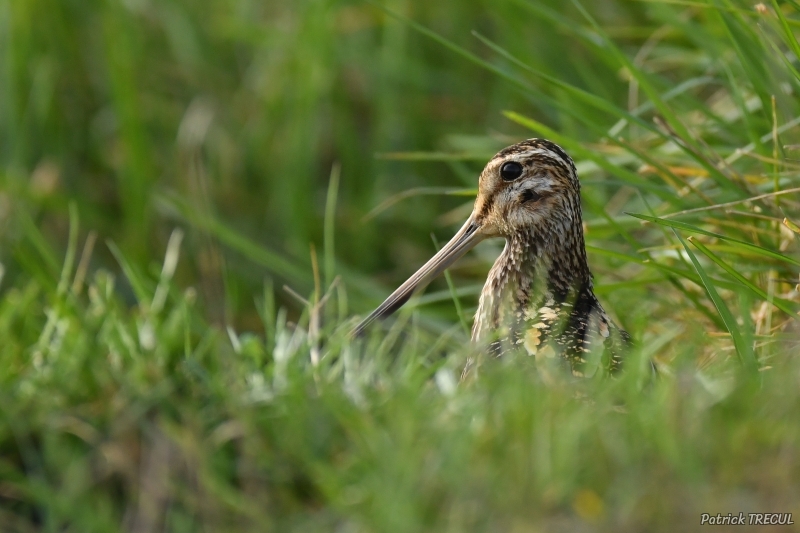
x=538, y=296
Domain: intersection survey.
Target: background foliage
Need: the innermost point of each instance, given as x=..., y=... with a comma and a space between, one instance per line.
x=167, y=167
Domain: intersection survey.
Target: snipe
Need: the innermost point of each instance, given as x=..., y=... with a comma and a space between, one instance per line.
x=539, y=295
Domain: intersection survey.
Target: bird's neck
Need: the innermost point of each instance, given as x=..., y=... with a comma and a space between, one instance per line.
x=531, y=272
x=556, y=266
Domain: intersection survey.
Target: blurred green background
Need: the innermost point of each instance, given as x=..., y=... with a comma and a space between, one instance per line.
x=240, y=110
x=149, y=383
x=228, y=118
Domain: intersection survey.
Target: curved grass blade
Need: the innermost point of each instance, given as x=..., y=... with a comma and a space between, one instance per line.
x=453, y=295
x=247, y=247
x=694, y=229
x=788, y=34
x=580, y=94
x=72, y=247
x=743, y=350
x=329, y=225
x=471, y=57
x=745, y=43
x=658, y=266
x=780, y=303
x=416, y=191
x=433, y=156
x=288, y=269
x=683, y=137
x=136, y=280
x=578, y=149
x=32, y=234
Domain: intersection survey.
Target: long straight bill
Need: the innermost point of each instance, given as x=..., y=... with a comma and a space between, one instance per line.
x=467, y=237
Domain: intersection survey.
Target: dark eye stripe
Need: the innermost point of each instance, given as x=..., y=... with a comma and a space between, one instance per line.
x=529, y=195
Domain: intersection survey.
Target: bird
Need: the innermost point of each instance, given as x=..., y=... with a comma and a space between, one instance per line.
x=539, y=295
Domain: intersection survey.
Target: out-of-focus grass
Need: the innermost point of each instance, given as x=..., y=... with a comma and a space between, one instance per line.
x=139, y=420
x=191, y=392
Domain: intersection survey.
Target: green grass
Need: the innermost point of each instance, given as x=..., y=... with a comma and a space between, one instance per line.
x=197, y=201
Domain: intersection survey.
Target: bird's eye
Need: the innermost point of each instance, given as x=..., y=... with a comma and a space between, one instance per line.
x=510, y=171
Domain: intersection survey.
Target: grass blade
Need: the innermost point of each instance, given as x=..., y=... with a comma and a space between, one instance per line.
x=577, y=149
x=580, y=94
x=72, y=247
x=683, y=139
x=247, y=247
x=744, y=351
x=143, y=295
x=453, y=294
x=783, y=305
x=693, y=229
x=329, y=249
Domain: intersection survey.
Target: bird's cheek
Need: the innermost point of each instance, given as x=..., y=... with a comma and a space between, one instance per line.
x=518, y=219
x=542, y=208
x=489, y=228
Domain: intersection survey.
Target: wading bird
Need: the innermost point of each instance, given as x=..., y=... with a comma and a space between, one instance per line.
x=538, y=296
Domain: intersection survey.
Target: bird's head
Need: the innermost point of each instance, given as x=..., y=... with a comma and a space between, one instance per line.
x=528, y=190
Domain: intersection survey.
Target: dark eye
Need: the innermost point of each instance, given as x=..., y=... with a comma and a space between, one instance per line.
x=510, y=171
